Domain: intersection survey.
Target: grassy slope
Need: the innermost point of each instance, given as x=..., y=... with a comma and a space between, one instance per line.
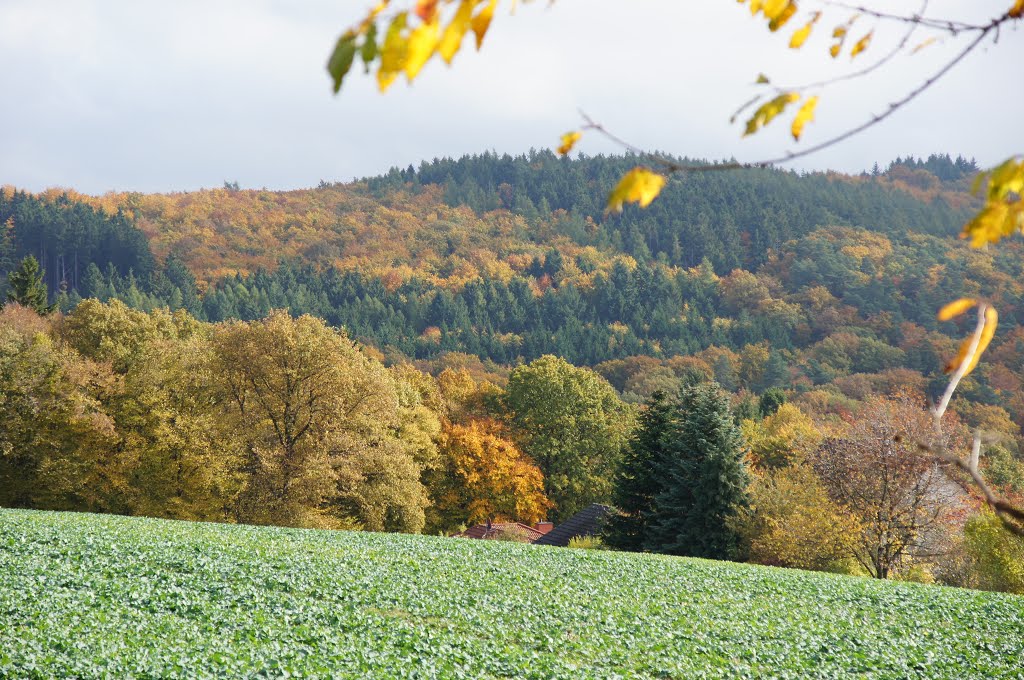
x=95, y=595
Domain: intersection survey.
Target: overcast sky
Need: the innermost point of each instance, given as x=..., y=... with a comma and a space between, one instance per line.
x=158, y=95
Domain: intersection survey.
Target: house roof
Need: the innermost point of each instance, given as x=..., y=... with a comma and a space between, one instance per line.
x=496, y=528
x=586, y=522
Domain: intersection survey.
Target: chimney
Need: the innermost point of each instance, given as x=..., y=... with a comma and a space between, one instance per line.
x=544, y=527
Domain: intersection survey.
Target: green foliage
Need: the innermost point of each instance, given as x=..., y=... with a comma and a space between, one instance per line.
x=705, y=478
x=998, y=555
x=214, y=600
x=791, y=522
x=25, y=287
x=573, y=425
x=770, y=401
x=641, y=476
x=586, y=543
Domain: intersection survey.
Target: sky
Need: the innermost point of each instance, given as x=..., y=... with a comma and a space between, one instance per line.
x=158, y=96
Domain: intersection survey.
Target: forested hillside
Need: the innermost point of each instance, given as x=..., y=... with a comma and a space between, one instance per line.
x=507, y=329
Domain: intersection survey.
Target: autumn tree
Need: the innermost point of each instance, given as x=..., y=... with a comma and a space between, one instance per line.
x=901, y=496
x=785, y=437
x=57, y=443
x=483, y=476
x=792, y=522
x=320, y=425
x=573, y=425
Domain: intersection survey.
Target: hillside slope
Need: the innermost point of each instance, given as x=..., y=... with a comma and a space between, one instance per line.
x=87, y=595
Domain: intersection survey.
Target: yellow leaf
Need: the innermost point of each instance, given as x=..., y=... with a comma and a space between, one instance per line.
x=768, y=111
x=421, y=45
x=755, y=6
x=955, y=308
x=1017, y=11
x=861, y=45
x=774, y=8
x=1003, y=212
x=639, y=185
x=569, y=140
x=482, y=21
x=804, y=115
x=451, y=39
x=762, y=79
x=923, y=45
x=393, y=52
x=784, y=16
x=801, y=35
x=987, y=331
x=426, y=10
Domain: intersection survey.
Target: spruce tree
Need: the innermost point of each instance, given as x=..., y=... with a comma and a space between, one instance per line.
x=25, y=286
x=705, y=478
x=640, y=477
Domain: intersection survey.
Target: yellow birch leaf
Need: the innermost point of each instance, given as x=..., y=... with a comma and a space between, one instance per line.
x=801, y=35
x=421, y=45
x=779, y=21
x=861, y=45
x=804, y=115
x=987, y=331
x=569, y=140
x=768, y=111
x=774, y=8
x=393, y=53
x=1017, y=11
x=955, y=308
x=482, y=21
x=639, y=185
x=755, y=6
x=451, y=39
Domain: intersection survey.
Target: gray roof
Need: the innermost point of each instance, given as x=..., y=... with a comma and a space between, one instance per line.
x=586, y=522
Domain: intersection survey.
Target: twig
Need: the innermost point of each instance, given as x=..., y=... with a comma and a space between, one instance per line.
x=670, y=166
x=1011, y=516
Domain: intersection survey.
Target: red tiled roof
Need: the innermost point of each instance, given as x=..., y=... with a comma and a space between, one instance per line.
x=480, y=531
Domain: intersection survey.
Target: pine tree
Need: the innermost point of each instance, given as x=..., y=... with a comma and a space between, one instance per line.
x=705, y=478
x=26, y=287
x=640, y=477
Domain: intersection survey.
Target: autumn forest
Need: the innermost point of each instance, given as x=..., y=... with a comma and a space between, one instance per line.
x=478, y=339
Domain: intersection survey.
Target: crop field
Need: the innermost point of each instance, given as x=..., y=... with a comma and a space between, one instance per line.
x=88, y=595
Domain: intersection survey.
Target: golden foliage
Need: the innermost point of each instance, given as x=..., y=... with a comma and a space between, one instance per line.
x=639, y=185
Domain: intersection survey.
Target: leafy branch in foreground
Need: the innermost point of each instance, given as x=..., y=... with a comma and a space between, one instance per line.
x=960, y=366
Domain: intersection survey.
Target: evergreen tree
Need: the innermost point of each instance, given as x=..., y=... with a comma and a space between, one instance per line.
x=705, y=478
x=640, y=478
x=25, y=286
x=771, y=400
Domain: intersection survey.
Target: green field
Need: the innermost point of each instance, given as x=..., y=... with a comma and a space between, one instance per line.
x=87, y=595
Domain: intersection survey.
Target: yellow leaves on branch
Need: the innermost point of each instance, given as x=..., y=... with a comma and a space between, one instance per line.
x=411, y=39
x=639, y=185
x=801, y=34
x=569, y=140
x=804, y=115
x=979, y=339
x=777, y=12
x=769, y=110
x=861, y=45
x=1003, y=212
